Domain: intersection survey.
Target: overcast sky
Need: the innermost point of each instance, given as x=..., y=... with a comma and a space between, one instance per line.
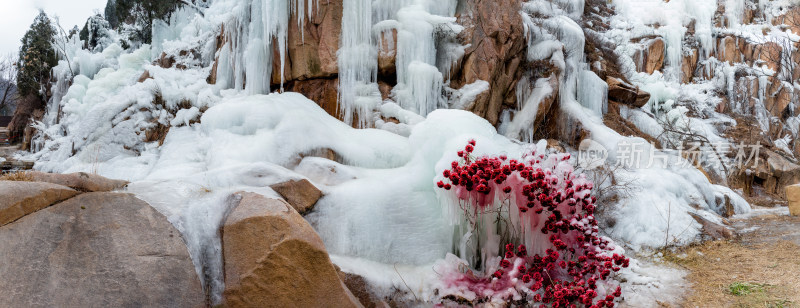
x=16, y=16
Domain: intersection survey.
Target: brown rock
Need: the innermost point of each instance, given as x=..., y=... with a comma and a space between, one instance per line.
x=360, y=289
x=713, y=230
x=22, y=198
x=273, y=258
x=387, y=54
x=144, y=76
x=623, y=92
x=165, y=61
x=749, y=15
x=29, y=108
x=793, y=195
x=385, y=89
x=97, y=249
x=546, y=105
x=770, y=53
x=302, y=195
x=642, y=97
x=796, y=59
x=312, y=45
x=783, y=172
x=778, y=97
x=728, y=50
x=324, y=92
x=791, y=19
x=652, y=58
x=689, y=65
x=555, y=145
x=80, y=181
x=496, y=52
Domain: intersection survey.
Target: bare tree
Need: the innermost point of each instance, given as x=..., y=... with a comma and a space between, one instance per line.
x=8, y=84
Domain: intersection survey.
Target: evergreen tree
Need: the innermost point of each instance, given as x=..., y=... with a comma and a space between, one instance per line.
x=36, y=56
x=111, y=13
x=141, y=13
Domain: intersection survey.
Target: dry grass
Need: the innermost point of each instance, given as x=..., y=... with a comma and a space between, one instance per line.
x=763, y=275
x=20, y=176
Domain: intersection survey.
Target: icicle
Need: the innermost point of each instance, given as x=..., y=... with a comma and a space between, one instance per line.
x=593, y=92
x=734, y=12
x=256, y=26
x=673, y=39
x=419, y=80
x=530, y=97
x=358, y=64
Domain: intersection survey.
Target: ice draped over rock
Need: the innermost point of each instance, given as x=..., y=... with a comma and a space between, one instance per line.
x=190, y=120
x=253, y=31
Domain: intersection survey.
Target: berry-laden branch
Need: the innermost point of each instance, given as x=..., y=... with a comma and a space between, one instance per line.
x=554, y=214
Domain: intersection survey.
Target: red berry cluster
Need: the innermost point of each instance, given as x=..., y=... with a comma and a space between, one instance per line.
x=551, y=200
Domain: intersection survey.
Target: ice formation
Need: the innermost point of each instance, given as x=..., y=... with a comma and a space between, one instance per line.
x=380, y=207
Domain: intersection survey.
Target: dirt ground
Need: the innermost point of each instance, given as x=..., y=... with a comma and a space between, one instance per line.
x=760, y=268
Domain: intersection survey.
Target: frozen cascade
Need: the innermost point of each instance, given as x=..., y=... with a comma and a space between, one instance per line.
x=593, y=92
x=673, y=43
x=522, y=127
x=250, y=32
x=734, y=12
x=673, y=16
x=381, y=204
x=358, y=64
x=558, y=38
x=420, y=79
x=420, y=82
x=549, y=31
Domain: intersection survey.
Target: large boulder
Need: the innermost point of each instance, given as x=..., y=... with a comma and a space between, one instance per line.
x=782, y=172
x=81, y=181
x=97, y=250
x=301, y=195
x=22, y=198
x=273, y=258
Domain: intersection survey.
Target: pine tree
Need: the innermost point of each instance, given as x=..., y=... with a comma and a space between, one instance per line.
x=141, y=13
x=36, y=56
x=111, y=13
